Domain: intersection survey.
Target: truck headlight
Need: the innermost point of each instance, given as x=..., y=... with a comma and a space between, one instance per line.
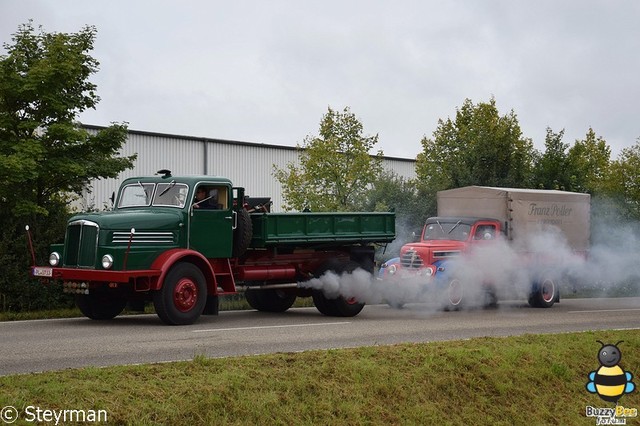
x=392, y=269
x=107, y=261
x=54, y=259
x=426, y=272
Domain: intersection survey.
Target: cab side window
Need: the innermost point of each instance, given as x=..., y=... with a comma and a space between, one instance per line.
x=210, y=197
x=485, y=232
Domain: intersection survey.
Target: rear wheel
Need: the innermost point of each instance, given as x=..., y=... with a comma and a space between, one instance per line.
x=396, y=305
x=544, y=293
x=183, y=295
x=271, y=300
x=490, y=298
x=336, y=306
x=100, y=306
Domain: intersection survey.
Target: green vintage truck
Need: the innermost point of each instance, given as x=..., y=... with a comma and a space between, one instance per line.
x=182, y=242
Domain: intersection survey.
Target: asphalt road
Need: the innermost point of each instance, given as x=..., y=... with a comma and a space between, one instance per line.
x=42, y=345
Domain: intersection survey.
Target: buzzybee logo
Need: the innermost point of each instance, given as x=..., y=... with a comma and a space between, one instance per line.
x=610, y=382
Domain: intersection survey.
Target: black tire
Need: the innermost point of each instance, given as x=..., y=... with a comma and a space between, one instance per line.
x=212, y=307
x=272, y=300
x=100, y=306
x=544, y=292
x=339, y=306
x=183, y=295
x=490, y=299
x=242, y=234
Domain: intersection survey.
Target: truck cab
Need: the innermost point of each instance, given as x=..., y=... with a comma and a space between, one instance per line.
x=444, y=238
x=152, y=215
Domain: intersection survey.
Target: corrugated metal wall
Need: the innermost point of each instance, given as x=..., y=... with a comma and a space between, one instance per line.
x=249, y=165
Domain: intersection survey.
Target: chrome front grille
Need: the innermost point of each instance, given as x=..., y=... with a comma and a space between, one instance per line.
x=81, y=244
x=143, y=237
x=410, y=259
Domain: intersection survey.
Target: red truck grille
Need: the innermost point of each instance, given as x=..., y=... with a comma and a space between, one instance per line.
x=411, y=259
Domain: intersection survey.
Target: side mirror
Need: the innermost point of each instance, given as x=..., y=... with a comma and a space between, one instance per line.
x=113, y=198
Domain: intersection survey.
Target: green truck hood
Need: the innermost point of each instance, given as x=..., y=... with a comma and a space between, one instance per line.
x=157, y=220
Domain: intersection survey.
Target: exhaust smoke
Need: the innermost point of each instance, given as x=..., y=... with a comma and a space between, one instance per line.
x=507, y=270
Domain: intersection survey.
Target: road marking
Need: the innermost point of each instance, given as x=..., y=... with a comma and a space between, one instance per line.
x=604, y=310
x=272, y=326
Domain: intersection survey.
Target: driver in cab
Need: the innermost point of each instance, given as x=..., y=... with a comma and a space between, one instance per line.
x=204, y=201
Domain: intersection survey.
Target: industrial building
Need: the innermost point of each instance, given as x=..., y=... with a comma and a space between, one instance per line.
x=247, y=164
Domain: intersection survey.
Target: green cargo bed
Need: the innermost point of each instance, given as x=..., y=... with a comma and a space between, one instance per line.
x=313, y=228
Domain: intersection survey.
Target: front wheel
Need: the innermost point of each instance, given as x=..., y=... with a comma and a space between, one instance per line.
x=455, y=295
x=100, y=306
x=544, y=293
x=183, y=295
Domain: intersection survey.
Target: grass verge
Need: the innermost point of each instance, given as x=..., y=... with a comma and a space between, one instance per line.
x=531, y=379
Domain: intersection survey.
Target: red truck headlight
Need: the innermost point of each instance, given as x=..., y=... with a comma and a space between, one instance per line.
x=426, y=272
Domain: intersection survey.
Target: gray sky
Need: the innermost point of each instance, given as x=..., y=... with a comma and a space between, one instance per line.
x=266, y=71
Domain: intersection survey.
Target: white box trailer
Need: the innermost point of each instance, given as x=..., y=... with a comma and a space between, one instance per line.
x=523, y=211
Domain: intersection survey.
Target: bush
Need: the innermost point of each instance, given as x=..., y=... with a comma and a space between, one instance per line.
x=18, y=291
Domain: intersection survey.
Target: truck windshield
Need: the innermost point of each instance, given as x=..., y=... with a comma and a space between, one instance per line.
x=138, y=194
x=447, y=231
x=171, y=194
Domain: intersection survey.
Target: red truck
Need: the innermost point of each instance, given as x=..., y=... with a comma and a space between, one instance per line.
x=488, y=243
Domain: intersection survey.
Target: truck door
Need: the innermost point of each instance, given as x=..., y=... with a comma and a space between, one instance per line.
x=211, y=221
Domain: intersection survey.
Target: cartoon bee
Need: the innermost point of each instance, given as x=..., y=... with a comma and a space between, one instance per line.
x=610, y=381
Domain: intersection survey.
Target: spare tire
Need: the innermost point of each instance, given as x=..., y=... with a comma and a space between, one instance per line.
x=242, y=234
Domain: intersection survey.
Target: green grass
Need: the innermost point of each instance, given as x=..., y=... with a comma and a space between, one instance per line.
x=527, y=380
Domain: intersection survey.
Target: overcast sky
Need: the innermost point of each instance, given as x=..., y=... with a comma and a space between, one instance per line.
x=266, y=71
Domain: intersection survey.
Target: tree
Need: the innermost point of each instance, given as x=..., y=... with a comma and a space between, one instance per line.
x=479, y=148
x=335, y=168
x=390, y=192
x=588, y=163
x=45, y=154
x=623, y=183
x=551, y=168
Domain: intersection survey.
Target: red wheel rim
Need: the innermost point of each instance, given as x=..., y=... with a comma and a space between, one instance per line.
x=455, y=292
x=185, y=295
x=548, y=290
x=351, y=301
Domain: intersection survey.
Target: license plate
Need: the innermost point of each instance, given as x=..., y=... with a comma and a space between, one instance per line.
x=42, y=272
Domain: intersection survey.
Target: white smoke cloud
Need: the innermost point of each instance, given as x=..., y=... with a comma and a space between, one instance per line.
x=507, y=268
x=364, y=287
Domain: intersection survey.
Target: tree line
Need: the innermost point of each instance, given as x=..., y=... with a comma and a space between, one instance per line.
x=47, y=158
x=479, y=146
